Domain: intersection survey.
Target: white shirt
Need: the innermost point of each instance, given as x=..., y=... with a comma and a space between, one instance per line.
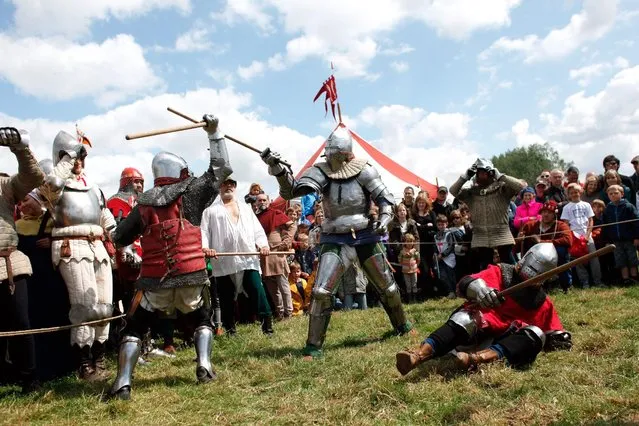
x=578, y=215
x=222, y=235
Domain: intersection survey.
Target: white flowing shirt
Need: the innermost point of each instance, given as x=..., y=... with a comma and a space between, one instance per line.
x=222, y=235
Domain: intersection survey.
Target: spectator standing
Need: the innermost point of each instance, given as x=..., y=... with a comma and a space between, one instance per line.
x=635, y=179
x=572, y=176
x=540, y=191
x=354, y=283
x=300, y=290
x=254, y=191
x=426, y=221
x=528, y=210
x=316, y=231
x=409, y=260
x=610, y=162
x=304, y=256
x=607, y=261
x=611, y=177
x=409, y=197
x=445, y=255
x=441, y=204
x=279, y=230
x=591, y=190
x=579, y=216
x=625, y=236
x=556, y=190
x=488, y=200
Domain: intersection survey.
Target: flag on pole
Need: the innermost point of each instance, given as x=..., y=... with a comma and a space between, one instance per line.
x=82, y=137
x=330, y=90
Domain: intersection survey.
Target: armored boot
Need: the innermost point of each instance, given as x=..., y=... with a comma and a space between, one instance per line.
x=99, y=361
x=267, y=325
x=471, y=361
x=203, y=340
x=86, y=370
x=127, y=358
x=407, y=360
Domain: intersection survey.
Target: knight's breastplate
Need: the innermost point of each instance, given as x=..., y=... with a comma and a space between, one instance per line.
x=345, y=207
x=77, y=207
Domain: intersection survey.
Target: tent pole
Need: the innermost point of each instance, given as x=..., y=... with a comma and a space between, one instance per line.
x=339, y=112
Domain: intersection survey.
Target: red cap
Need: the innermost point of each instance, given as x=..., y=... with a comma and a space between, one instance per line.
x=551, y=206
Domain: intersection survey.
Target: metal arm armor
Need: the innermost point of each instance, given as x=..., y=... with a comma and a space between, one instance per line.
x=313, y=180
x=370, y=179
x=219, y=164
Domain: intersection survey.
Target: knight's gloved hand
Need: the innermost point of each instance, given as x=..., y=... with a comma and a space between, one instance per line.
x=472, y=170
x=489, y=299
x=13, y=138
x=81, y=152
x=496, y=174
x=212, y=126
x=273, y=160
x=135, y=260
x=381, y=226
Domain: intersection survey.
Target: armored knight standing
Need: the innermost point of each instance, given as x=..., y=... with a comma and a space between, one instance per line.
x=521, y=326
x=81, y=224
x=173, y=270
x=347, y=185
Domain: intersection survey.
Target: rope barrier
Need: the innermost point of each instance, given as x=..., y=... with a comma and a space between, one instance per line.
x=58, y=328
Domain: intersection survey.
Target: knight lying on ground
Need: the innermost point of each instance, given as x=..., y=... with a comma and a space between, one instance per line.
x=347, y=185
x=173, y=269
x=521, y=326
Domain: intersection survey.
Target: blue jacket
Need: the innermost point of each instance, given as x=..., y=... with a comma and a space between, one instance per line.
x=619, y=213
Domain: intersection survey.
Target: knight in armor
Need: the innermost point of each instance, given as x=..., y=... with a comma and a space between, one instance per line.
x=81, y=223
x=173, y=272
x=127, y=259
x=517, y=328
x=347, y=185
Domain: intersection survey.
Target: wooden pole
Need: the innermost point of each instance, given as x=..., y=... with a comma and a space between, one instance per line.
x=164, y=131
x=231, y=138
x=255, y=253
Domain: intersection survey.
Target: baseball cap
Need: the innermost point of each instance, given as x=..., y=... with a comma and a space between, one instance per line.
x=442, y=189
x=635, y=159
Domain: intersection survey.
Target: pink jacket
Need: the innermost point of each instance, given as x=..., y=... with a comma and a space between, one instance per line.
x=526, y=212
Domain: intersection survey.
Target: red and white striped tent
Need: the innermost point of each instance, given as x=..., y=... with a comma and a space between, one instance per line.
x=395, y=176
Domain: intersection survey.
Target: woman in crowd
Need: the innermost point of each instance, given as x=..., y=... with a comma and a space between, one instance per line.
x=611, y=177
x=528, y=210
x=425, y=218
x=591, y=190
x=401, y=225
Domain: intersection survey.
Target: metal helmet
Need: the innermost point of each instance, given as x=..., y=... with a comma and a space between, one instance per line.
x=540, y=258
x=168, y=165
x=46, y=165
x=128, y=175
x=339, y=147
x=484, y=164
x=64, y=142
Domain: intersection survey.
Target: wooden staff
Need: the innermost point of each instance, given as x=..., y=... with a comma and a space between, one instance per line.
x=58, y=328
x=255, y=253
x=231, y=138
x=164, y=131
x=558, y=270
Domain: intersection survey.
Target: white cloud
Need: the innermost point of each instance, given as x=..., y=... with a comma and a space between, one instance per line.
x=590, y=24
x=506, y=84
x=255, y=69
x=108, y=72
x=72, y=18
x=398, y=50
x=586, y=74
x=350, y=35
x=521, y=131
x=221, y=76
x=399, y=66
x=194, y=40
x=591, y=127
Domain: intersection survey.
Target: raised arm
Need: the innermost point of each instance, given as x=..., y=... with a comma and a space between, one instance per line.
x=313, y=179
x=29, y=174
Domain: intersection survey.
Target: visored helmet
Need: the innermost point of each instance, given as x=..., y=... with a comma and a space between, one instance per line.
x=540, y=258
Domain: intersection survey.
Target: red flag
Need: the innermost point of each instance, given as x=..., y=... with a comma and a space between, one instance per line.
x=330, y=90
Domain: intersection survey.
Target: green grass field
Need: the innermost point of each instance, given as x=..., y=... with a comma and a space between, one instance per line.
x=264, y=380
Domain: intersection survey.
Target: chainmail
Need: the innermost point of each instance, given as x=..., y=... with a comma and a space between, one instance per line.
x=192, y=279
x=528, y=298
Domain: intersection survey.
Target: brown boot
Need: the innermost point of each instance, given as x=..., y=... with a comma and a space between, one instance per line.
x=407, y=360
x=99, y=361
x=471, y=361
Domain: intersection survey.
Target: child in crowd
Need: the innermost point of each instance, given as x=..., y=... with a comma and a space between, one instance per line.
x=304, y=256
x=315, y=232
x=254, y=191
x=625, y=236
x=611, y=177
x=579, y=216
x=300, y=289
x=354, y=285
x=607, y=261
x=445, y=255
x=409, y=259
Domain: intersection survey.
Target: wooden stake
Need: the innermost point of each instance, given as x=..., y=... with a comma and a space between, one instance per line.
x=164, y=131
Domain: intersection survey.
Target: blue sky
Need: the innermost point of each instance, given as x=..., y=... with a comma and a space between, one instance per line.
x=432, y=83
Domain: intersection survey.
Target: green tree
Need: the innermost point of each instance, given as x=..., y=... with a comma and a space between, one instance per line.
x=528, y=162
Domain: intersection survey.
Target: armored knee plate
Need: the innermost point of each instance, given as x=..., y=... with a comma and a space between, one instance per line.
x=379, y=274
x=536, y=334
x=331, y=268
x=464, y=320
x=128, y=354
x=203, y=340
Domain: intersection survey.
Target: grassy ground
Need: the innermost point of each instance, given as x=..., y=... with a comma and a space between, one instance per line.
x=264, y=380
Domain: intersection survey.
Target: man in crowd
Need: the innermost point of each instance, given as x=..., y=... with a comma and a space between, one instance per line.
x=127, y=260
x=229, y=226
x=551, y=230
x=14, y=265
x=488, y=200
x=572, y=176
x=441, y=204
x=610, y=162
x=522, y=325
x=173, y=270
x=409, y=197
x=556, y=190
x=82, y=222
x=347, y=185
x=280, y=231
